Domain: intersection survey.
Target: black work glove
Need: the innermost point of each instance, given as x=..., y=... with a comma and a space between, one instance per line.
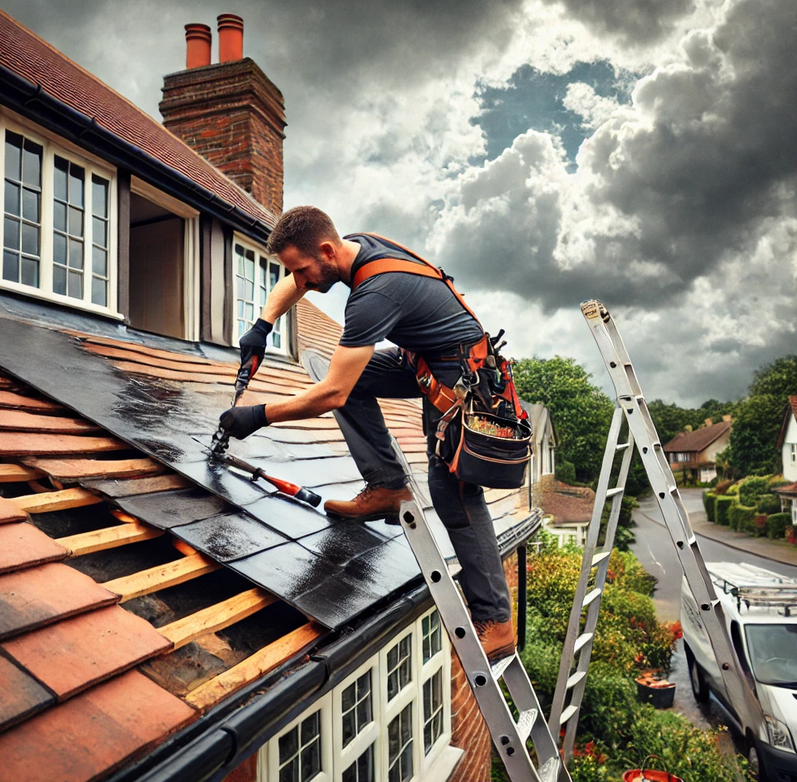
x=253, y=343
x=240, y=422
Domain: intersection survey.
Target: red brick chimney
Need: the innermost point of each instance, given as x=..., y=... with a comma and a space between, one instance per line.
x=230, y=112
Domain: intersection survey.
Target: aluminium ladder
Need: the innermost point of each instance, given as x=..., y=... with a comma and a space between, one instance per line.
x=509, y=735
x=631, y=407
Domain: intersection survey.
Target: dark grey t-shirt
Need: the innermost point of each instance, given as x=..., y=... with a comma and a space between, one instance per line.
x=417, y=313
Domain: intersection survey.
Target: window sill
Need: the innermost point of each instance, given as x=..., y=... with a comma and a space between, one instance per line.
x=63, y=301
x=443, y=765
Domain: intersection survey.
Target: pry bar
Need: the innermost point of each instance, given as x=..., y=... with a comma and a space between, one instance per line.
x=291, y=489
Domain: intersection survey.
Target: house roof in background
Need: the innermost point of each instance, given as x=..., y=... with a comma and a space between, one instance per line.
x=27, y=55
x=698, y=439
x=789, y=413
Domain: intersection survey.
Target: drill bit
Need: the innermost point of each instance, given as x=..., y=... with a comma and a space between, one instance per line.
x=221, y=439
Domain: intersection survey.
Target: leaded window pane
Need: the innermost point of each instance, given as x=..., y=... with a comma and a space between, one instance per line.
x=11, y=266
x=300, y=751
x=432, y=711
x=22, y=206
x=399, y=734
x=99, y=197
x=30, y=239
x=399, y=663
x=30, y=271
x=59, y=280
x=99, y=292
x=68, y=229
x=11, y=234
x=12, y=194
x=362, y=770
x=13, y=156
x=30, y=205
x=32, y=164
x=432, y=636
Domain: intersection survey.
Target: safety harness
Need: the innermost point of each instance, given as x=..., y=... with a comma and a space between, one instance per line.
x=490, y=394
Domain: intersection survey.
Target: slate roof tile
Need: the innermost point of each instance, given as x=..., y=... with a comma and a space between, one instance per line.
x=20, y=694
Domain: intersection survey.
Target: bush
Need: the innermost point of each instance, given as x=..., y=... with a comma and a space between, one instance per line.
x=709, y=498
x=733, y=490
x=566, y=472
x=742, y=518
x=722, y=508
x=751, y=489
x=777, y=524
x=768, y=503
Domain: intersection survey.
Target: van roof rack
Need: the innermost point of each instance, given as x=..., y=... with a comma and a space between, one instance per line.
x=777, y=593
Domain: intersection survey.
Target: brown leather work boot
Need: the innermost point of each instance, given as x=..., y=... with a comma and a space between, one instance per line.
x=373, y=502
x=497, y=638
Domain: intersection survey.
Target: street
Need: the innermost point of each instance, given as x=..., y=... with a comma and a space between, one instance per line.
x=656, y=552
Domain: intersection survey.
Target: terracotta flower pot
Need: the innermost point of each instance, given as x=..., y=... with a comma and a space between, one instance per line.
x=648, y=775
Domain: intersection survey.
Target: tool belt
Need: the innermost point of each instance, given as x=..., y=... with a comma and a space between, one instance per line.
x=483, y=434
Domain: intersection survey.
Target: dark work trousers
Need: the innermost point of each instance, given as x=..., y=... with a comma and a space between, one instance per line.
x=390, y=374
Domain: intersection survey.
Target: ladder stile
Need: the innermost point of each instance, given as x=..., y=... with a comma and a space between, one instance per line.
x=508, y=734
x=633, y=406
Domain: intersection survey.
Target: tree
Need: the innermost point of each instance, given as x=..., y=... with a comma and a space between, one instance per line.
x=581, y=412
x=755, y=430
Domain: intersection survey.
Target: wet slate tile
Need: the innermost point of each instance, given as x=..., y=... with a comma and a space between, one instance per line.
x=89, y=735
x=20, y=695
x=169, y=509
x=342, y=542
x=36, y=596
x=22, y=545
x=129, y=487
x=290, y=517
x=229, y=536
x=73, y=654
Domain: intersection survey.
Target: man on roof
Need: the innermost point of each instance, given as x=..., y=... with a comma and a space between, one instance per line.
x=423, y=317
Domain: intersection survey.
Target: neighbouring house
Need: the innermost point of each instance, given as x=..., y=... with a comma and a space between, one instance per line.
x=543, y=462
x=787, y=440
x=162, y=616
x=694, y=453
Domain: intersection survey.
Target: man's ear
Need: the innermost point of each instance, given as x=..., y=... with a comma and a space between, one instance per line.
x=328, y=250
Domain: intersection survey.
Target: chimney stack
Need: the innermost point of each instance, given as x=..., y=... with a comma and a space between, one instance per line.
x=709, y=422
x=231, y=37
x=197, y=45
x=229, y=112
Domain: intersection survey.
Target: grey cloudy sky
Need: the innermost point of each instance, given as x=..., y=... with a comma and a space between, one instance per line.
x=542, y=151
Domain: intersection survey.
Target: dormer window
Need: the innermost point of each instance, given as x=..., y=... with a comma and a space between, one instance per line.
x=57, y=225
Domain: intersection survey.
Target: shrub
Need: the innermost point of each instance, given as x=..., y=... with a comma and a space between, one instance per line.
x=768, y=503
x=722, y=507
x=733, y=490
x=566, y=472
x=709, y=498
x=742, y=518
x=751, y=489
x=776, y=481
x=777, y=524
x=722, y=487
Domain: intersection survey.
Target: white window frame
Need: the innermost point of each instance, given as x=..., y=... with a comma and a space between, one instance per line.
x=52, y=145
x=268, y=760
x=793, y=449
x=260, y=256
x=432, y=767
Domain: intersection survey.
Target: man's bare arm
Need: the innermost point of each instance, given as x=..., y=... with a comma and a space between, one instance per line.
x=282, y=297
x=332, y=392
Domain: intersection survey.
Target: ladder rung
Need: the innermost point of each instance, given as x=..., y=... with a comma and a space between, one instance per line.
x=600, y=557
x=567, y=714
x=575, y=679
x=582, y=641
x=615, y=491
x=525, y=723
x=592, y=596
x=622, y=446
x=499, y=668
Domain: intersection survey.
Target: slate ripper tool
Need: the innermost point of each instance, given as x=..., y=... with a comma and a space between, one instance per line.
x=221, y=439
x=291, y=489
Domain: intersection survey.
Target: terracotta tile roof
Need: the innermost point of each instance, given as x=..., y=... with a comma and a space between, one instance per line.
x=29, y=56
x=568, y=504
x=698, y=439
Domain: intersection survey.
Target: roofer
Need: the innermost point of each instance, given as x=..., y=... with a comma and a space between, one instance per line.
x=426, y=319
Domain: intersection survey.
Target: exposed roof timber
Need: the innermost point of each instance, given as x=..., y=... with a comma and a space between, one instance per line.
x=32, y=101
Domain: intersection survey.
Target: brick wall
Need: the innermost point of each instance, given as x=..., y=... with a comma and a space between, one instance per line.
x=246, y=772
x=234, y=116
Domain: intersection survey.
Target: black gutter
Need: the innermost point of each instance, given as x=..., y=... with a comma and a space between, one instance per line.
x=220, y=740
x=32, y=101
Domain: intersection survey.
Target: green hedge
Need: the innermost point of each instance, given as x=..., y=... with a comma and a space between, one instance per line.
x=709, y=498
x=742, y=518
x=751, y=490
x=722, y=507
x=768, y=503
x=777, y=524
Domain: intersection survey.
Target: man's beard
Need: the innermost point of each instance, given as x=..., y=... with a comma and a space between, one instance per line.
x=329, y=275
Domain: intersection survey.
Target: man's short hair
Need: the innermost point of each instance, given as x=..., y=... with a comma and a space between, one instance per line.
x=304, y=227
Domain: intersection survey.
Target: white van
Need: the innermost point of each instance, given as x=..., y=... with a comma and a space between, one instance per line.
x=761, y=613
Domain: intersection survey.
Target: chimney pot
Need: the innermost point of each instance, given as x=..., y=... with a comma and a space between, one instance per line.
x=709, y=422
x=197, y=40
x=231, y=37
